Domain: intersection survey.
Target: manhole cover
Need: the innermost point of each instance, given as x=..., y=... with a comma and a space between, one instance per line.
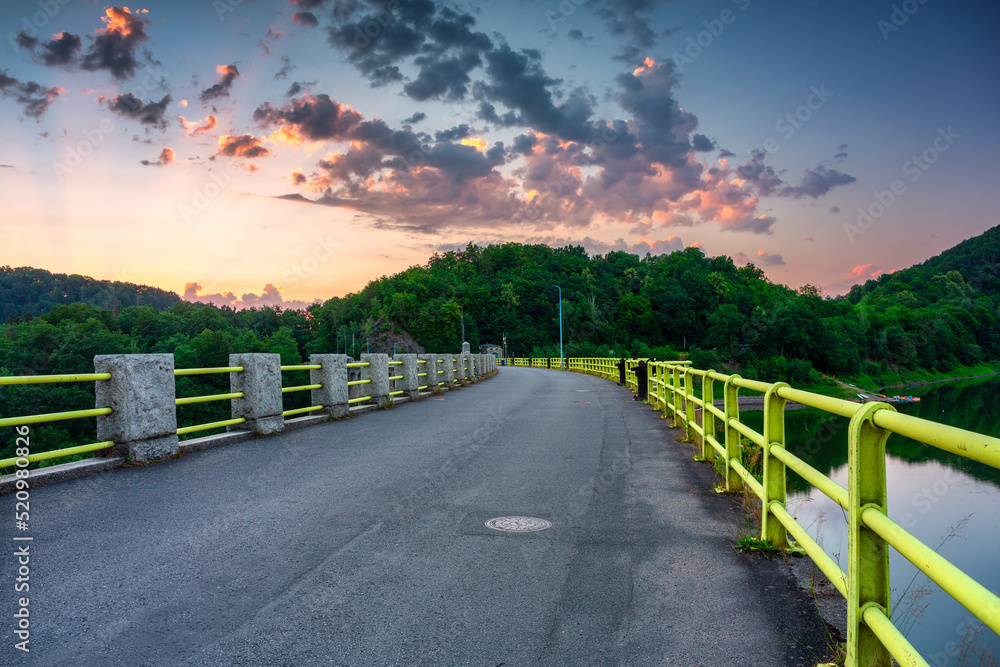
x=518, y=524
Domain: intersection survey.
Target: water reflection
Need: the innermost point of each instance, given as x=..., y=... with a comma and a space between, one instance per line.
x=932, y=493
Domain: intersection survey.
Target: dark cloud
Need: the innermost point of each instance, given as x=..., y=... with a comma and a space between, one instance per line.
x=447, y=78
x=662, y=125
x=26, y=41
x=517, y=80
x=315, y=117
x=724, y=153
x=62, y=49
x=766, y=259
x=286, y=67
x=298, y=178
x=524, y=143
x=415, y=118
x=33, y=97
x=115, y=45
x=577, y=36
x=458, y=132
x=308, y=4
x=834, y=209
x=629, y=19
x=760, y=174
x=228, y=74
x=166, y=157
x=307, y=19
x=441, y=42
x=298, y=87
x=147, y=113
x=817, y=182
x=244, y=145
x=702, y=143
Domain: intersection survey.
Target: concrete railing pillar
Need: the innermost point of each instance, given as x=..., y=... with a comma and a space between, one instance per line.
x=470, y=367
x=431, y=368
x=377, y=371
x=141, y=393
x=260, y=383
x=448, y=366
x=466, y=348
x=477, y=366
x=409, y=371
x=333, y=376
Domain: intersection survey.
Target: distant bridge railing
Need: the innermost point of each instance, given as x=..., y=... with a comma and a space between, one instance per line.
x=136, y=403
x=686, y=396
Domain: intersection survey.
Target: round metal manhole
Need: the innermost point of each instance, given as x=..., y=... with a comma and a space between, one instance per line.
x=518, y=524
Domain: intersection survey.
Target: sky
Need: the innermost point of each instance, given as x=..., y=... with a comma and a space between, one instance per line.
x=252, y=152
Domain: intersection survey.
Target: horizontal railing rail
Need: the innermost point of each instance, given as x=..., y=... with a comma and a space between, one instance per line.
x=64, y=452
x=192, y=400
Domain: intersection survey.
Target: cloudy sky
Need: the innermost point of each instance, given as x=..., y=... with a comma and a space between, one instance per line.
x=280, y=152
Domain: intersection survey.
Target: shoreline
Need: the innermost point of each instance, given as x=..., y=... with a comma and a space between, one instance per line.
x=924, y=384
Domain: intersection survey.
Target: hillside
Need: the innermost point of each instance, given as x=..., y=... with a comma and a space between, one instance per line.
x=28, y=291
x=977, y=260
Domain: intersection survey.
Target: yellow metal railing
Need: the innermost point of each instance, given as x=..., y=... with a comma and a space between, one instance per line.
x=191, y=400
x=54, y=416
x=304, y=387
x=872, y=638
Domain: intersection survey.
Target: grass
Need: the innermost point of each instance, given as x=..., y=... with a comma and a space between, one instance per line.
x=751, y=543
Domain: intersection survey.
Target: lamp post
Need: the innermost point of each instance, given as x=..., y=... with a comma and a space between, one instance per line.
x=560, y=329
x=461, y=309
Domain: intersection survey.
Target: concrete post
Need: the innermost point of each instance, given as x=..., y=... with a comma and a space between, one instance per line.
x=477, y=367
x=377, y=371
x=141, y=392
x=333, y=376
x=409, y=371
x=469, y=367
x=431, y=368
x=466, y=348
x=448, y=366
x=260, y=383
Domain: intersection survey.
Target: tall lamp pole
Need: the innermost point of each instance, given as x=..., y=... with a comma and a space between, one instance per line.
x=560, y=329
x=461, y=309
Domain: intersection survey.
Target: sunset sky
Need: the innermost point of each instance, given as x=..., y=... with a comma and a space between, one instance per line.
x=273, y=152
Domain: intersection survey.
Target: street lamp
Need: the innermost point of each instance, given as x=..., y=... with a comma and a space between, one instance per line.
x=461, y=310
x=560, y=329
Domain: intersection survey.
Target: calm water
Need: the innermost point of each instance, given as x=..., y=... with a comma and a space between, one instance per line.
x=935, y=493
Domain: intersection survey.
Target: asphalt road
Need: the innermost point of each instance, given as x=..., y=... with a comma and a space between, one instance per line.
x=362, y=542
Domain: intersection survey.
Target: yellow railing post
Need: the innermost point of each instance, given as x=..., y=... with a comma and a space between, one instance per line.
x=868, y=554
x=689, y=407
x=707, y=416
x=734, y=453
x=676, y=388
x=774, y=470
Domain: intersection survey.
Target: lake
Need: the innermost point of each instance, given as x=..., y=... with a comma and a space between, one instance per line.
x=941, y=498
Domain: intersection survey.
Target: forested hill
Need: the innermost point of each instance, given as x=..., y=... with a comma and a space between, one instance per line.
x=934, y=316
x=976, y=259
x=28, y=291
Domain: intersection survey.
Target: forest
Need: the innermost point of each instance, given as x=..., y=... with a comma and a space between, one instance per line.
x=933, y=317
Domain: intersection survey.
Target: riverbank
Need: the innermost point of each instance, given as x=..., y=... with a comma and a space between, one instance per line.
x=921, y=378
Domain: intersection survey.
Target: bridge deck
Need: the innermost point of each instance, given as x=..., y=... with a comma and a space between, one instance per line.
x=363, y=543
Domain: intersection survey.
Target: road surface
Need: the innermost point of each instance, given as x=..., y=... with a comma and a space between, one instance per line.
x=363, y=542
